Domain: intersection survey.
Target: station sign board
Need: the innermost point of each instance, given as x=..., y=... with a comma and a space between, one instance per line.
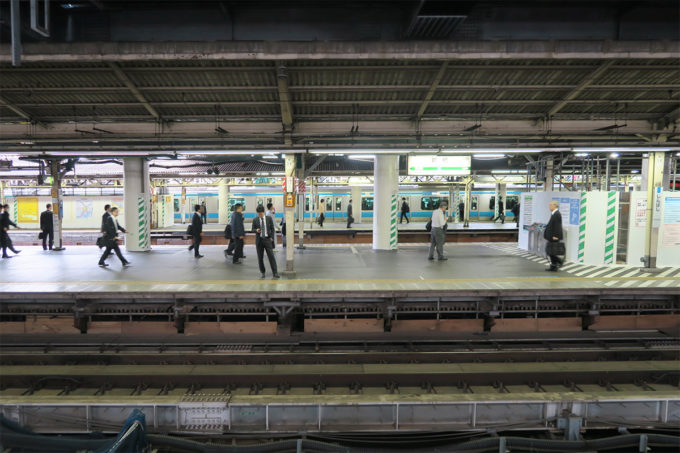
x=431, y=165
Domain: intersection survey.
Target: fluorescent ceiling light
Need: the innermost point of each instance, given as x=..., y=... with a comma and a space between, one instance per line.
x=614, y=155
x=582, y=154
x=363, y=151
x=488, y=156
x=361, y=156
x=270, y=156
x=493, y=150
x=225, y=152
x=620, y=149
x=104, y=153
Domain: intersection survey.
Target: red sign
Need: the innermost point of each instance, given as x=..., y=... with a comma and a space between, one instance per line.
x=302, y=187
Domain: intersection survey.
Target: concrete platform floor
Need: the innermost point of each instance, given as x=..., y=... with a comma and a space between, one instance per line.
x=471, y=266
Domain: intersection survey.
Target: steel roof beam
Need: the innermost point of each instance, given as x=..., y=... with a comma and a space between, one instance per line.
x=589, y=79
x=431, y=90
x=284, y=102
x=21, y=112
x=133, y=89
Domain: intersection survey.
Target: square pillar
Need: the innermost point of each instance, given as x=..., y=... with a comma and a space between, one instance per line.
x=385, y=202
x=223, y=201
x=137, y=204
x=655, y=177
x=289, y=214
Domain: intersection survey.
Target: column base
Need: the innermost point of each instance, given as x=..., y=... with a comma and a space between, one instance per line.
x=651, y=270
x=58, y=249
x=289, y=274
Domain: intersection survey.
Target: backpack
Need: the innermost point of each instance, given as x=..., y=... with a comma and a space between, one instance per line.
x=190, y=230
x=428, y=226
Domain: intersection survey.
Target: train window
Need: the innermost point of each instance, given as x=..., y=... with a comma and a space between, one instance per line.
x=259, y=201
x=431, y=203
x=329, y=204
x=338, y=204
x=233, y=201
x=306, y=203
x=176, y=204
x=511, y=201
x=270, y=200
x=473, y=205
x=367, y=204
x=492, y=203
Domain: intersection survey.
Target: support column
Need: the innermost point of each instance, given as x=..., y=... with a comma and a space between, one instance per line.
x=655, y=177
x=300, y=209
x=452, y=204
x=2, y=193
x=468, y=201
x=289, y=213
x=57, y=206
x=355, y=195
x=549, y=175
x=137, y=204
x=223, y=201
x=385, y=203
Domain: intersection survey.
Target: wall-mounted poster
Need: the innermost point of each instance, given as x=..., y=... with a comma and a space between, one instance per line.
x=84, y=208
x=640, y=213
x=528, y=210
x=27, y=210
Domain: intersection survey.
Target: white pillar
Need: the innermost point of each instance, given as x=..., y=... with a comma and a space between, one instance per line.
x=549, y=175
x=355, y=196
x=137, y=204
x=654, y=175
x=57, y=206
x=223, y=201
x=385, y=203
x=300, y=210
x=289, y=213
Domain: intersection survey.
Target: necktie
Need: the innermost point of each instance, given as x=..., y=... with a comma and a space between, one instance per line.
x=263, y=222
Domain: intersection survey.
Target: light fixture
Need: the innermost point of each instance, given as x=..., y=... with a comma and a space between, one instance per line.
x=492, y=150
x=619, y=149
x=582, y=154
x=635, y=171
x=212, y=152
x=361, y=156
x=270, y=156
x=488, y=156
x=614, y=155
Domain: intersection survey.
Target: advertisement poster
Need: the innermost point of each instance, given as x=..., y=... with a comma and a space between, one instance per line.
x=671, y=211
x=574, y=214
x=528, y=210
x=84, y=208
x=640, y=213
x=27, y=208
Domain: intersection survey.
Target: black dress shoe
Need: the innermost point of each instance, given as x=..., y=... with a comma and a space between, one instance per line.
x=262, y=276
x=103, y=265
x=237, y=262
x=6, y=256
x=198, y=256
x=551, y=269
x=442, y=258
x=126, y=264
x=431, y=258
x=16, y=252
x=277, y=276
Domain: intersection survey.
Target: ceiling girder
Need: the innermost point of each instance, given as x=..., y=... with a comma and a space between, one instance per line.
x=590, y=78
x=133, y=89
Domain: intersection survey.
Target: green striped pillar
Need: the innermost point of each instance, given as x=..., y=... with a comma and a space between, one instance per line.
x=15, y=206
x=394, y=235
x=143, y=240
x=582, y=229
x=609, y=244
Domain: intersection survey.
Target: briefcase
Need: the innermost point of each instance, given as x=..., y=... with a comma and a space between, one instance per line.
x=41, y=235
x=556, y=248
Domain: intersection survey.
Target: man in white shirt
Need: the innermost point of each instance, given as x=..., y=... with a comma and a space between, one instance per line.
x=438, y=232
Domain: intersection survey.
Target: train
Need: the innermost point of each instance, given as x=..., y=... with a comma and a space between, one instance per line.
x=421, y=202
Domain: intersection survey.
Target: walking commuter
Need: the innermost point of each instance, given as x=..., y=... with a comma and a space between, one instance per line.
x=196, y=231
x=47, y=227
x=107, y=213
x=111, y=239
x=263, y=227
x=501, y=211
x=405, y=209
x=271, y=212
x=553, y=234
x=5, y=240
x=350, y=218
x=238, y=232
x=204, y=212
x=461, y=211
x=229, y=251
x=438, y=232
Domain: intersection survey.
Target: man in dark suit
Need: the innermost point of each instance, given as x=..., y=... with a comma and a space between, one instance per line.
x=5, y=241
x=553, y=234
x=263, y=227
x=350, y=218
x=238, y=232
x=405, y=209
x=47, y=227
x=196, y=231
x=107, y=213
x=111, y=239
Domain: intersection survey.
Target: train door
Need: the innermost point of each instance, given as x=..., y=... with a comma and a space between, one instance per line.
x=474, y=209
x=338, y=206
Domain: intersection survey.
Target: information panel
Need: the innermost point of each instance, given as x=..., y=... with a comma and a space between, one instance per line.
x=439, y=165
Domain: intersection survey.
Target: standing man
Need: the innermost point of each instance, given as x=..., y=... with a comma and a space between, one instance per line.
x=263, y=227
x=5, y=240
x=553, y=234
x=438, y=232
x=111, y=239
x=350, y=219
x=238, y=232
x=515, y=212
x=196, y=231
x=204, y=212
x=47, y=227
x=322, y=210
x=405, y=209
